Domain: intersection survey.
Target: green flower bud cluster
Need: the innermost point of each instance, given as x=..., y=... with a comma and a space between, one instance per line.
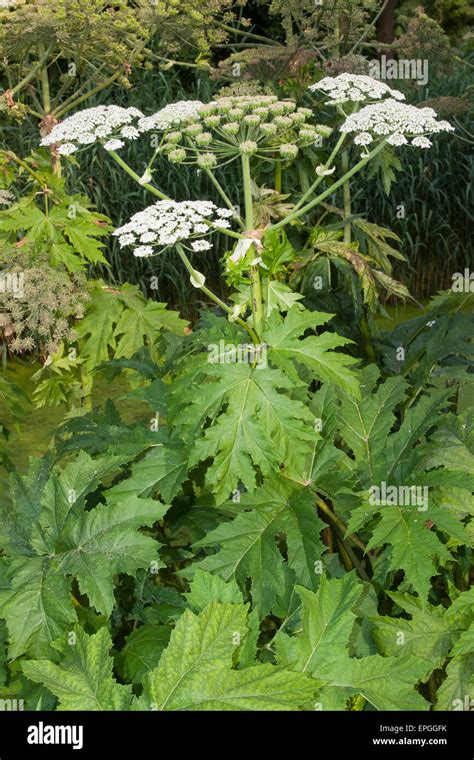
x=288, y=151
x=177, y=156
x=254, y=125
x=248, y=147
x=206, y=160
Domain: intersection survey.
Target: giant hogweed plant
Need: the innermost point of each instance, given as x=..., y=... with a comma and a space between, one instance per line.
x=270, y=137
x=284, y=532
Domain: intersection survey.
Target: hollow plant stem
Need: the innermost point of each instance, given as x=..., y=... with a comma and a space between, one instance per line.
x=346, y=194
x=367, y=335
x=340, y=524
x=32, y=73
x=74, y=101
x=128, y=169
x=195, y=275
x=318, y=181
x=278, y=174
x=224, y=195
x=296, y=213
x=257, y=308
x=45, y=93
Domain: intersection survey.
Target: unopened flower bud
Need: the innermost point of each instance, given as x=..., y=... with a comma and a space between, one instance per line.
x=248, y=147
x=206, y=160
x=205, y=138
x=288, y=150
x=177, y=155
x=231, y=128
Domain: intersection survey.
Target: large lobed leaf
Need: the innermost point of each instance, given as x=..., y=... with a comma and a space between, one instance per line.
x=196, y=673
x=64, y=540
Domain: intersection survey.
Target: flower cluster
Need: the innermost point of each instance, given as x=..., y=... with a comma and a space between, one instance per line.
x=106, y=124
x=355, y=88
x=166, y=223
x=171, y=115
x=397, y=122
x=220, y=131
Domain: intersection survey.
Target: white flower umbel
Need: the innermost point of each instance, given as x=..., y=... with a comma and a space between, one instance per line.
x=396, y=121
x=201, y=245
x=171, y=115
x=355, y=88
x=107, y=124
x=166, y=223
x=421, y=142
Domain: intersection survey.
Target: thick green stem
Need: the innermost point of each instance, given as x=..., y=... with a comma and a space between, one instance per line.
x=32, y=73
x=136, y=177
x=295, y=214
x=278, y=174
x=45, y=87
x=74, y=101
x=346, y=194
x=203, y=65
x=335, y=520
x=249, y=35
x=195, y=275
x=257, y=307
x=247, y=181
x=257, y=300
x=76, y=93
x=367, y=335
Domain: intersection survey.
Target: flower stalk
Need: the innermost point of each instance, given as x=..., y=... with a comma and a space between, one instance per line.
x=256, y=285
x=208, y=292
x=296, y=213
x=346, y=194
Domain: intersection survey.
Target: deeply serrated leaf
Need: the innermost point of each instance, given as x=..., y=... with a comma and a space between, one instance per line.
x=83, y=680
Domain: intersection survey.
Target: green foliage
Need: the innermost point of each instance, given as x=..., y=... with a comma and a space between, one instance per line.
x=49, y=223
x=442, y=637
x=17, y=403
x=400, y=459
x=248, y=549
x=323, y=651
x=117, y=322
x=53, y=54
x=83, y=680
x=50, y=537
x=195, y=671
x=264, y=520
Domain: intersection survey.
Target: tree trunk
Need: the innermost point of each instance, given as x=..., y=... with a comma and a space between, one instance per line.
x=386, y=24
